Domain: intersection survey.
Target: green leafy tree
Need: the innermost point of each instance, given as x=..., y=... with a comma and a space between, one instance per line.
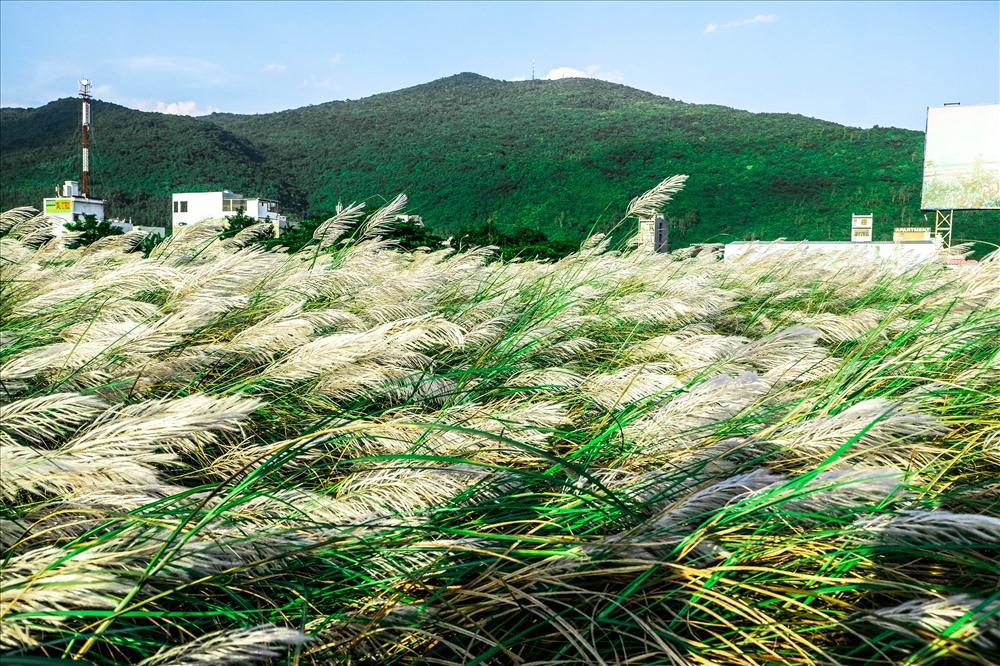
x=238, y=223
x=295, y=238
x=91, y=229
x=410, y=235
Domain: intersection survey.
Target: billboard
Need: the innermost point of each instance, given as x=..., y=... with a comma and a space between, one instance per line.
x=58, y=206
x=962, y=158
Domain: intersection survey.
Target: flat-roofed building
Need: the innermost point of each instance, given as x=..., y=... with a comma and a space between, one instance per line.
x=192, y=207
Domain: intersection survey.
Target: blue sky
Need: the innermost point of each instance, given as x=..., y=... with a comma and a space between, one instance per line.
x=854, y=63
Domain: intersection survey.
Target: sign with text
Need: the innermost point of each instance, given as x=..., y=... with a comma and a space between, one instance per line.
x=58, y=206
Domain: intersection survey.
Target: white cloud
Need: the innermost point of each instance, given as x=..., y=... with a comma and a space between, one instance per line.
x=521, y=77
x=592, y=72
x=760, y=18
x=273, y=68
x=188, y=108
x=335, y=60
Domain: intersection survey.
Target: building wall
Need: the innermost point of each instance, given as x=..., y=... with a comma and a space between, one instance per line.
x=209, y=205
x=906, y=252
x=190, y=207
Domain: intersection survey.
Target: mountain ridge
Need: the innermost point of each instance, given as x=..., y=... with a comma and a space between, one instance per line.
x=550, y=156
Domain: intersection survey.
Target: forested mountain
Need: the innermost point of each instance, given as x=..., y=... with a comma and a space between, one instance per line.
x=560, y=157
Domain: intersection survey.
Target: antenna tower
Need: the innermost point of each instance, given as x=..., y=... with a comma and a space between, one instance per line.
x=85, y=98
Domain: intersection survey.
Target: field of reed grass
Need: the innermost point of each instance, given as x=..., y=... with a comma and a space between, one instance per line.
x=356, y=455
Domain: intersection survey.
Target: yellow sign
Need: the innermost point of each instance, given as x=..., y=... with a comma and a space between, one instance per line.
x=58, y=206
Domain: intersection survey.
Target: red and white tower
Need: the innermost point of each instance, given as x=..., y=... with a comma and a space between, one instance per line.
x=85, y=98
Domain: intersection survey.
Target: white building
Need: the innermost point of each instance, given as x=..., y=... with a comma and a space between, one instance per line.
x=908, y=253
x=69, y=206
x=191, y=207
x=861, y=228
x=653, y=234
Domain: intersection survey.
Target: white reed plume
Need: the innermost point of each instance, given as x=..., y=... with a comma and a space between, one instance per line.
x=685, y=304
x=403, y=489
x=960, y=617
x=420, y=387
x=126, y=310
x=884, y=423
x=679, y=423
x=379, y=312
x=794, y=345
x=838, y=489
x=594, y=246
x=719, y=494
x=123, y=446
x=248, y=236
x=16, y=259
x=238, y=458
x=545, y=380
x=382, y=221
x=841, y=328
x=186, y=243
x=395, y=375
x=983, y=282
x=230, y=646
x=392, y=340
x=184, y=423
x=562, y=352
x=174, y=369
x=100, y=347
x=489, y=430
x=137, y=277
x=291, y=506
x=931, y=529
x=217, y=547
x=229, y=274
x=56, y=298
x=48, y=418
x=282, y=331
x=127, y=242
x=991, y=446
x=629, y=385
x=11, y=218
x=47, y=579
x=652, y=202
x=65, y=472
x=330, y=231
x=35, y=230
x=763, y=488
x=688, y=353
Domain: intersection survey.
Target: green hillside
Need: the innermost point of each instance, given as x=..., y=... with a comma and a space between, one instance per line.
x=542, y=155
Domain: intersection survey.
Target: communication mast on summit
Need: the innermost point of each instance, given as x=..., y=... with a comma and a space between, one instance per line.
x=85, y=98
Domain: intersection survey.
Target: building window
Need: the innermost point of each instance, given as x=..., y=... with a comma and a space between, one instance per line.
x=182, y=206
x=175, y=207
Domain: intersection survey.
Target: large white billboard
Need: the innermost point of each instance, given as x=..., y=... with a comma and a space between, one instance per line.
x=962, y=158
